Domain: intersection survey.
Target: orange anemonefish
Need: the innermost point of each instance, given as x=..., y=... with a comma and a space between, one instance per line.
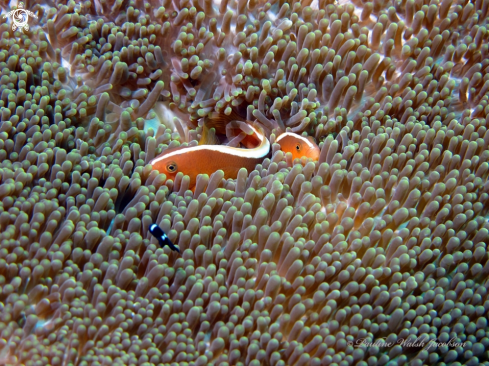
x=206, y=159
x=298, y=146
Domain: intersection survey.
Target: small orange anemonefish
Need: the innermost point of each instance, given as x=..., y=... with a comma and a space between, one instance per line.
x=207, y=158
x=298, y=146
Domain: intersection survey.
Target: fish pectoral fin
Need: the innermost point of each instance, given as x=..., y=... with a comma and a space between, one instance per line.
x=209, y=136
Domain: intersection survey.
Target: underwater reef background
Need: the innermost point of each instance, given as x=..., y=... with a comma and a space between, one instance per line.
x=294, y=263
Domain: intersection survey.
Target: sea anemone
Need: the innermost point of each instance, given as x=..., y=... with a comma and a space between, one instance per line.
x=367, y=256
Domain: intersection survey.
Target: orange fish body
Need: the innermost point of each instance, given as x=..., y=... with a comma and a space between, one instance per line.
x=206, y=159
x=298, y=146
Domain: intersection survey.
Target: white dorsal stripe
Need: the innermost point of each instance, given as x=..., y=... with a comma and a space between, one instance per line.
x=302, y=138
x=256, y=153
x=260, y=136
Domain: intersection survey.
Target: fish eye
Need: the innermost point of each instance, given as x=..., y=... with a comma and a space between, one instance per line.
x=298, y=147
x=171, y=167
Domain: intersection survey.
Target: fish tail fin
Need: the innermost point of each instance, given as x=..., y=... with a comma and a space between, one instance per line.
x=209, y=136
x=256, y=136
x=173, y=247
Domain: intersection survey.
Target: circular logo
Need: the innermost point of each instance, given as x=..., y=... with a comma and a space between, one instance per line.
x=20, y=17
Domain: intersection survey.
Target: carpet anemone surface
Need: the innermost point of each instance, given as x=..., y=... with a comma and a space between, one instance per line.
x=375, y=254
